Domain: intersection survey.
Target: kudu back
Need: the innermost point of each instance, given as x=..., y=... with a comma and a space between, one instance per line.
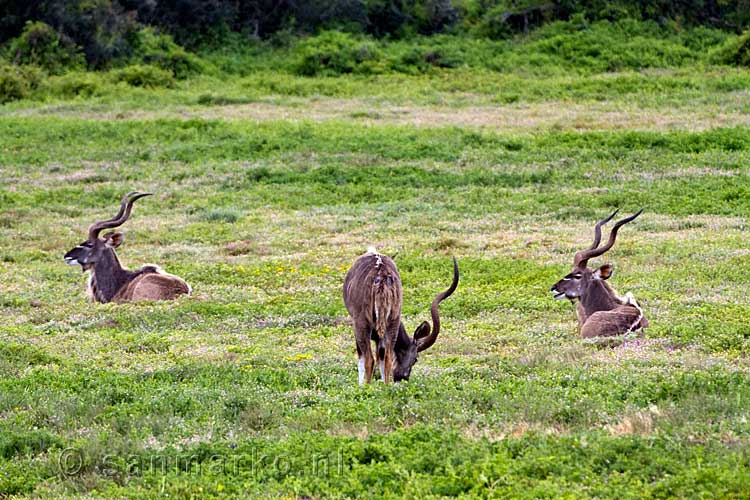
x=373, y=295
x=601, y=311
x=109, y=281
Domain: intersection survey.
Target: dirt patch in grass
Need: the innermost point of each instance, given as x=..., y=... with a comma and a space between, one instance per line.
x=557, y=115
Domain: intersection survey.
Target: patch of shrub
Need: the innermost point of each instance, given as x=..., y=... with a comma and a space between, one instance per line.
x=102, y=29
x=159, y=49
x=333, y=53
x=440, y=51
x=40, y=45
x=601, y=47
x=503, y=21
x=74, y=84
x=702, y=39
x=734, y=52
x=139, y=75
x=17, y=82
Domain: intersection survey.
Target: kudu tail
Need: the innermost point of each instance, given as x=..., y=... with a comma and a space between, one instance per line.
x=385, y=301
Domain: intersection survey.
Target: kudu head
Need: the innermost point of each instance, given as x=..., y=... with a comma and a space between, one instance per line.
x=94, y=248
x=424, y=337
x=577, y=283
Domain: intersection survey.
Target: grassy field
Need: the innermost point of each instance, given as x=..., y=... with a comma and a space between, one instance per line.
x=268, y=186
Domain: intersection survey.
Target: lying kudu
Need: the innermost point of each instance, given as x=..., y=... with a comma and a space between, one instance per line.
x=108, y=281
x=372, y=295
x=601, y=312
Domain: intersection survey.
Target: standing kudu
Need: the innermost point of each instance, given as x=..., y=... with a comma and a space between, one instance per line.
x=109, y=281
x=372, y=295
x=601, y=312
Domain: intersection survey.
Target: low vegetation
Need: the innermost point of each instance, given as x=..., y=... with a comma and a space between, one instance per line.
x=275, y=163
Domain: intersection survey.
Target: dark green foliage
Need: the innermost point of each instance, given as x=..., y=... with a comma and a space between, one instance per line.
x=14, y=358
x=191, y=21
x=735, y=51
x=105, y=29
x=26, y=443
x=504, y=21
x=102, y=28
x=40, y=45
x=111, y=30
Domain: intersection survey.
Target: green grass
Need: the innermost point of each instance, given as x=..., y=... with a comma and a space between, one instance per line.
x=268, y=185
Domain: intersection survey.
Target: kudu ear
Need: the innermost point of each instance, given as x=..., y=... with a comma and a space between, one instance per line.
x=113, y=240
x=604, y=272
x=422, y=331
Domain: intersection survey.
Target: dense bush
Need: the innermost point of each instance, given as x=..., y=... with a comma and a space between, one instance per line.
x=39, y=44
x=74, y=84
x=718, y=13
x=105, y=29
x=139, y=75
x=159, y=49
x=17, y=82
x=335, y=53
x=735, y=52
x=503, y=21
x=421, y=54
x=601, y=46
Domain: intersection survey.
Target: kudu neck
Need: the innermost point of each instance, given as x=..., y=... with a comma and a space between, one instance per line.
x=599, y=297
x=108, y=276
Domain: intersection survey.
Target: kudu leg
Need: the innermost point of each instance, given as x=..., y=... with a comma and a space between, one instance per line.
x=365, y=361
x=380, y=355
x=386, y=352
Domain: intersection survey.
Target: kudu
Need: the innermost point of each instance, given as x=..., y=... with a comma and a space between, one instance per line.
x=372, y=295
x=109, y=281
x=601, y=311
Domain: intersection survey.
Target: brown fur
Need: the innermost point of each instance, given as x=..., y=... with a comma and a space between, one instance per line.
x=599, y=297
x=372, y=295
x=152, y=286
x=114, y=284
x=613, y=322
